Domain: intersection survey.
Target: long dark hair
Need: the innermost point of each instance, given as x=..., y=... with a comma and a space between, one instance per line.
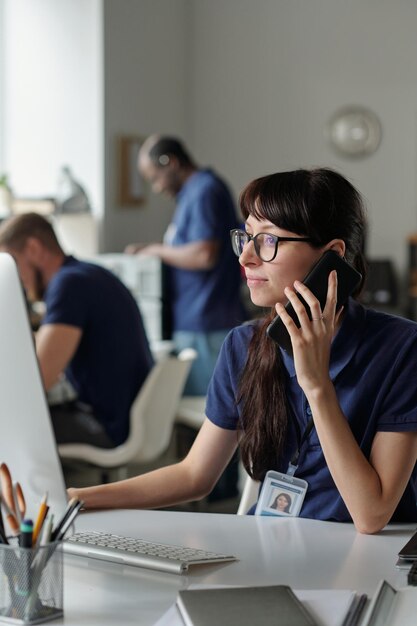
x=320, y=204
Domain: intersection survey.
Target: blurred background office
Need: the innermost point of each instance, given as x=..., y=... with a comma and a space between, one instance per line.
x=252, y=87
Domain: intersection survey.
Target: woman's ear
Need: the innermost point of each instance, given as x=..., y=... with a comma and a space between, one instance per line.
x=337, y=245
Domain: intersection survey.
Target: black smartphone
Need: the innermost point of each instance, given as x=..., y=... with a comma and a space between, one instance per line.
x=316, y=280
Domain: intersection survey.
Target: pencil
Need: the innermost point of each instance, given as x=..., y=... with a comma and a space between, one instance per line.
x=43, y=510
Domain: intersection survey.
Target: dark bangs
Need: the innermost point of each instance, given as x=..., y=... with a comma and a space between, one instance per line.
x=320, y=204
x=282, y=199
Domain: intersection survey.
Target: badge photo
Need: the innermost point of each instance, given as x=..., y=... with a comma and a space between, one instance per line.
x=281, y=495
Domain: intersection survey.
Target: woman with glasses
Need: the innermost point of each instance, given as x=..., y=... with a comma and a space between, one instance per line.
x=340, y=412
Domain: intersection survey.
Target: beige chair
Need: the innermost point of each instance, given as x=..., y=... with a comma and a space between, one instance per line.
x=249, y=494
x=191, y=411
x=189, y=418
x=152, y=418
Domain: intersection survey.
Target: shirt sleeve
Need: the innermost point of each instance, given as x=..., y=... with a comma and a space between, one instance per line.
x=66, y=302
x=400, y=405
x=207, y=221
x=222, y=408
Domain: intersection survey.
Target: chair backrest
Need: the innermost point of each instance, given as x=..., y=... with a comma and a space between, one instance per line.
x=153, y=412
x=249, y=495
x=191, y=411
x=152, y=417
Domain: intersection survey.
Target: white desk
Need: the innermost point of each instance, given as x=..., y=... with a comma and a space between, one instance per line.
x=305, y=554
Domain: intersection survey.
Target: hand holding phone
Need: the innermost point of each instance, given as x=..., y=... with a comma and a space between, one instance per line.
x=316, y=280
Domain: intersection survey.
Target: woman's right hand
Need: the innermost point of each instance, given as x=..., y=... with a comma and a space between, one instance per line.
x=312, y=340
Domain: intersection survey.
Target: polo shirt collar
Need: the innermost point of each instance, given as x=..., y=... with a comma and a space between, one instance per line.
x=190, y=182
x=345, y=343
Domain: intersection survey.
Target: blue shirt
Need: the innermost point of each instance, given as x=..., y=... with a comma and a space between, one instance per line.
x=113, y=357
x=373, y=366
x=205, y=300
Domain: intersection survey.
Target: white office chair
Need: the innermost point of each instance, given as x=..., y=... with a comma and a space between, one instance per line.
x=152, y=418
x=189, y=418
x=249, y=494
x=191, y=411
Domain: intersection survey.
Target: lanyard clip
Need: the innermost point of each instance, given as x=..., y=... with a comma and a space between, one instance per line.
x=291, y=469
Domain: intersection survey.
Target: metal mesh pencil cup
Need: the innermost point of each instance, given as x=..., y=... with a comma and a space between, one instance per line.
x=31, y=583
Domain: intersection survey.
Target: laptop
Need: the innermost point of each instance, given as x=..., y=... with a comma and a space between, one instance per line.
x=27, y=441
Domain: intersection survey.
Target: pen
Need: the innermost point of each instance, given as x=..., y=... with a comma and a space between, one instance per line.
x=70, y=506
x=69, y=520
x=26, y=530
x=43, y=510
x=47, y=531
x=25, y=541
x=38, y=565
x=3, y=538
x=42, y=555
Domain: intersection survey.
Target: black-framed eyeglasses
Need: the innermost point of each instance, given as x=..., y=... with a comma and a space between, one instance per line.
x=266, y=244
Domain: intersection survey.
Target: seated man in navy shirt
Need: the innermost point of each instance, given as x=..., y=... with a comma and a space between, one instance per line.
x=92, y=331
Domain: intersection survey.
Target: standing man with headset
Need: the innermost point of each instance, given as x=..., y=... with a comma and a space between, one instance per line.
x=203, y=275
x=204, y=279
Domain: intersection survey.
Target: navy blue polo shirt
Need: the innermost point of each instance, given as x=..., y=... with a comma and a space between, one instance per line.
x=205, y=300
x=113, y=357
x=373, y=366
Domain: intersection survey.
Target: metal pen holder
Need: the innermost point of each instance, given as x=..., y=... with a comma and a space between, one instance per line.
x=31, y=583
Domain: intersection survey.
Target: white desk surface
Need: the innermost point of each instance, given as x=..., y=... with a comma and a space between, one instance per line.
x=305, y=554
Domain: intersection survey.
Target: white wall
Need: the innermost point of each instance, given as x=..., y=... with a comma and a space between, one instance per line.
x=249, y=84
x=53, y=86
x=79, y=74
x=1, y=89
x=145, y=43
x=267, y=75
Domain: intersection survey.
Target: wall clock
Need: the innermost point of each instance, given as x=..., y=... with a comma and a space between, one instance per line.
x=354, y=131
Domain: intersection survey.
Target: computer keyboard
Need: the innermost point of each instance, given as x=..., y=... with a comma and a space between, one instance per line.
x=130, y=551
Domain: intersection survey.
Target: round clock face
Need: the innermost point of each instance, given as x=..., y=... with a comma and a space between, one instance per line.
x=354, y=131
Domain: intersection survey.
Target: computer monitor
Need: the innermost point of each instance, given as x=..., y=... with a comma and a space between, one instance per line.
x=27, y=441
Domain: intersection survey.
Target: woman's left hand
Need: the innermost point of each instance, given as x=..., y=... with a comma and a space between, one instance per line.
x=311, y=342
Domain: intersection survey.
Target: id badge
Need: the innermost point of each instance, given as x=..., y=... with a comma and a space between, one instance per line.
x=281, y=495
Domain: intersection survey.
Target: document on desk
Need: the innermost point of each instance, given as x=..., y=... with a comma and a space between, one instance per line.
x=329, y=607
